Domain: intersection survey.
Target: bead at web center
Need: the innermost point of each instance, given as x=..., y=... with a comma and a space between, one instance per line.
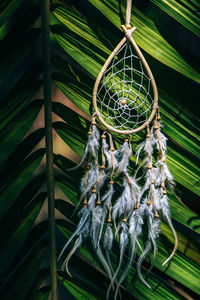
x=123, y=101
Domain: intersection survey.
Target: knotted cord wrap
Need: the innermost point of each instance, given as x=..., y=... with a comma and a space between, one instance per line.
x=125, y=101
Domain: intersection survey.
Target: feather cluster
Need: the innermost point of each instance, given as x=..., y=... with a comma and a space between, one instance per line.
x=104, y=217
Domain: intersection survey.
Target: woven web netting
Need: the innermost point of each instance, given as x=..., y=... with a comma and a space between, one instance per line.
x=124, y=97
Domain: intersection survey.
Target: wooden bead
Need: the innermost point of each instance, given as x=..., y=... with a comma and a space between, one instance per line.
x=149, y=167
x=148, y=135
x=156, y=215
x=163, y=159
x=155, y=127
x=89, y=132
x=164, y=192
x=126, y=141
x=94, y=122
x=158, y=118
x=111, y=182
x=94, y=191
x=98, y=202
x=123, y=101
x=124, y=220
x=85, y=202
x=102, y=167
x=136, y=206
x=103, y=136
x=152, y=182
x=109, y=220
x=112, y=149
x=128, y=26
x=148, y=202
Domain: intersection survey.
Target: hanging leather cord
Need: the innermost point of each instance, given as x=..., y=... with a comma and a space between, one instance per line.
x=128, y=11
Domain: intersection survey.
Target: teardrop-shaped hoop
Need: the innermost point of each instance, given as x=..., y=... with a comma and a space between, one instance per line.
x=128, y=36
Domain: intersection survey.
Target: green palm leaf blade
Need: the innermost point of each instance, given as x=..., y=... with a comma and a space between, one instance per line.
x=8, y=9
x=40, y=294
x=18, y=179
x=16, y=239
x=22, y=202
x=185, y=12
x=24, y=273
x=75, y=139
x=21, y=151
x=76, y=290
x=146, y=28
x=20, y=95
x=35, y=292
x=16, y=58
x=17, y=128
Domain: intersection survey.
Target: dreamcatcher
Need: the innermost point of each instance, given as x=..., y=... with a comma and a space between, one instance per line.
x=125, y=101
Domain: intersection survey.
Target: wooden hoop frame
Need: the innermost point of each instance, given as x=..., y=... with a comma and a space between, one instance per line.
x=128, y=36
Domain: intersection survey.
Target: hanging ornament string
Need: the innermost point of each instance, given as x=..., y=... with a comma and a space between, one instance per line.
x=125, y=101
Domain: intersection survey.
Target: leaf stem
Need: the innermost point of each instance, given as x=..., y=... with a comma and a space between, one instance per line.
x=45, y=12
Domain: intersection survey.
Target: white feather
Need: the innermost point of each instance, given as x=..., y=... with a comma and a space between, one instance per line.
x=110, y=155
x=146, y=147
x=92, y=147
x=124, y=154
x=93, y=175
x=84, y=216
x=98, y=218
x=108, y=238
x=108, y=197
x=123, y=245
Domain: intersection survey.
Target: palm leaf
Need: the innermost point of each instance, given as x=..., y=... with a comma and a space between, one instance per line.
x=83, y=35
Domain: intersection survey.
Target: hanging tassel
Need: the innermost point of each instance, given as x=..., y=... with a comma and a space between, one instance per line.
x=166, y=177
x=98, y=218
x=92, y=145
x=153, y=224
x=84, y=215
x=135, y=229
x=164, y=205
x=123, y=246
x=124, y=154
x=109, y=152
x=123, y=203
x=128, y=199
x=90, y=178
x=108, y=242
x=147, y=146
x=142, y=257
